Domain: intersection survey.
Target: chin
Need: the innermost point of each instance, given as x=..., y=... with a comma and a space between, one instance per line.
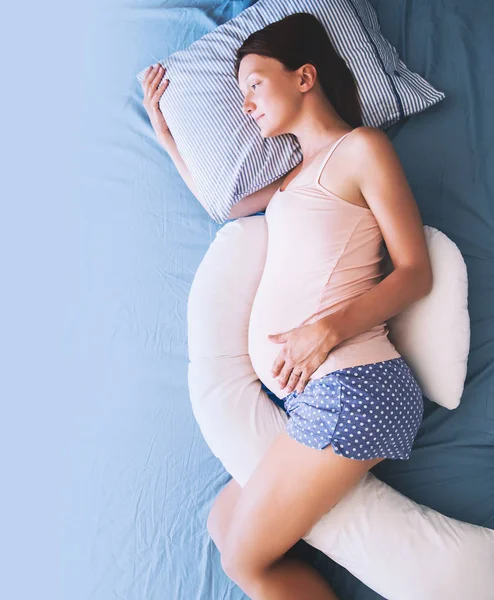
x=266, y=132
x=269, y=132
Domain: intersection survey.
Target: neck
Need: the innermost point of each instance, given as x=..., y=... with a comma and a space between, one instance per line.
x=317, y=128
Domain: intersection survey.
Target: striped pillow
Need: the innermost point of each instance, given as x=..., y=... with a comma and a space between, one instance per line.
x=222, y=148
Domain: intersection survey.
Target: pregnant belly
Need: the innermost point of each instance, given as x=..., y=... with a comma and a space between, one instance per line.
x=263, y=353
x=271, y=313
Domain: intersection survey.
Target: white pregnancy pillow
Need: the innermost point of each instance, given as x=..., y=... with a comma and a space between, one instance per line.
x=402, y=550
x=433, y=334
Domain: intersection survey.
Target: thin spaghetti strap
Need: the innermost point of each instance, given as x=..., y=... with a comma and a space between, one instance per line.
x=328, y=155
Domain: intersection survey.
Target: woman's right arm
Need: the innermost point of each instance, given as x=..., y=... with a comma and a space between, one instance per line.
x=154, y=85
x=250, y=205
x=256, y=202
x=168, y=143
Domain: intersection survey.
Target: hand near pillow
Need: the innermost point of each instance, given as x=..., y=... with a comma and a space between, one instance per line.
x=153, y=90
x=306, y=348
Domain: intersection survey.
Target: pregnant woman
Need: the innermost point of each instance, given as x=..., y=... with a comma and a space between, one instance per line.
x=317, y=333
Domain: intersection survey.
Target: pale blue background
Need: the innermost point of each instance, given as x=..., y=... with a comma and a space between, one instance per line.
x=107, y=481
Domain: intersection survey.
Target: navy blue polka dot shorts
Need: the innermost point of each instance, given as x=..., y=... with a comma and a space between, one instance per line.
x=368, y=411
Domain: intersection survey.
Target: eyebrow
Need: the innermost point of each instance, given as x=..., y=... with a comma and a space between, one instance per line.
x=250, y=75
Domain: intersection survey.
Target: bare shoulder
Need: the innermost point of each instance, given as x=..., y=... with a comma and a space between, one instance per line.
x=365, y=148
x=370, y=139
x=373, y=153
x=370, y=142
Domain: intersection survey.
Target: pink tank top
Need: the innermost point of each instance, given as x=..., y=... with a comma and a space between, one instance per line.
x=322, y=253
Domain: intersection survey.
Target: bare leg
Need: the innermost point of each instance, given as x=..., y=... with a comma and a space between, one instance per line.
x=292, y=579
x=296, y=576
x=292, y=487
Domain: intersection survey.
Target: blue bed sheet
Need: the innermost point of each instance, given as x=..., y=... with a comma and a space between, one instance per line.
x=142, y=479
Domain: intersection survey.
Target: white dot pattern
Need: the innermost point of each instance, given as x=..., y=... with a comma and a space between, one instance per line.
x=368, y=411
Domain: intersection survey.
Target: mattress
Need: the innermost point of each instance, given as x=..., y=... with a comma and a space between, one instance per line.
x=142, y=480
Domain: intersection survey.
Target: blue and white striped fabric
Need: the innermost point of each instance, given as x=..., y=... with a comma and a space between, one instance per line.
x=226, y=156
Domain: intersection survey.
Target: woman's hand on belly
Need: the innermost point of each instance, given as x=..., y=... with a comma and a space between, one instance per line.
x=305, y=349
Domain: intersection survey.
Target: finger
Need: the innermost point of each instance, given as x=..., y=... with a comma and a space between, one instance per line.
x=146, y=75
x=156, y=79
x=303, y=381
x=285, y=376
x=155, y=72
x=292, y=382
x=159, y=90
x=277, y=366
x=149, y=76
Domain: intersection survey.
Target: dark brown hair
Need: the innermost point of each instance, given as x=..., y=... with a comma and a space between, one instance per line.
x=301, y=38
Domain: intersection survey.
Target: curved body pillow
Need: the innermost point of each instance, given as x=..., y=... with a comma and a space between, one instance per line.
x=373, y=530
x=433, y=334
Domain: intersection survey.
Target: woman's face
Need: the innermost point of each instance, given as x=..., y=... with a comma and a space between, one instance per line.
x=269, y=92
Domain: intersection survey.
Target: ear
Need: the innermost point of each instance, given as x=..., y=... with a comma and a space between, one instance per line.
x=307, y=77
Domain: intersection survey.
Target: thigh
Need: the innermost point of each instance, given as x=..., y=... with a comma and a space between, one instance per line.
x=290, y=490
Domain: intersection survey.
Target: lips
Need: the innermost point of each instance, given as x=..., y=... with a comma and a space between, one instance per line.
x=259, y=118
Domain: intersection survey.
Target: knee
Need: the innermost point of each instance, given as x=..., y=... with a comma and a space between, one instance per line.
x=213, y=525
x=221, y=513
x=250, y=578
x=232, y=561
x=233, y=566
x=242, y=569
x=217, y=525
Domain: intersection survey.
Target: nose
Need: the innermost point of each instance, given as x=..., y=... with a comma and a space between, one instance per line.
x=247, y=107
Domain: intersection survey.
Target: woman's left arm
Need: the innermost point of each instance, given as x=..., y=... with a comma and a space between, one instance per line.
x=383, y=183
